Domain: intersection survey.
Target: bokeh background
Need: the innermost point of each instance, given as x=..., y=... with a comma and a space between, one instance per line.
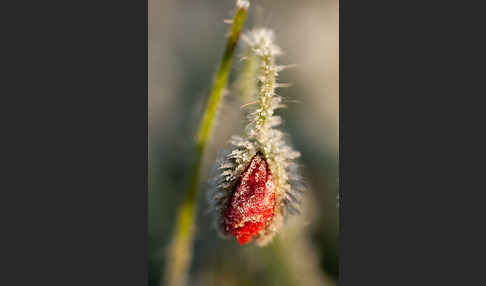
x=186, y=43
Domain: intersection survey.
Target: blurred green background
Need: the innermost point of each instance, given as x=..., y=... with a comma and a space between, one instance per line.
x=186, y=42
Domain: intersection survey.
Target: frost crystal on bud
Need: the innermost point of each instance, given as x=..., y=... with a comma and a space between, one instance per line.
x=257, y=184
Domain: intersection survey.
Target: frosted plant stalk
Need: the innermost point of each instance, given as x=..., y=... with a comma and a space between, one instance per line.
x=179, y=253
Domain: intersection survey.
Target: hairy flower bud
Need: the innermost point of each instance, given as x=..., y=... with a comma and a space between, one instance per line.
x=257, y=184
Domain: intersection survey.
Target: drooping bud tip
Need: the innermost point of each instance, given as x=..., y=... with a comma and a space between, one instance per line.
x=251, y=206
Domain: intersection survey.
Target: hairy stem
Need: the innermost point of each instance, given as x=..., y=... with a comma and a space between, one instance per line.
x=180, y=250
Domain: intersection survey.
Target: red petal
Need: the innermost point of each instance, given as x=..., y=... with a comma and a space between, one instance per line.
x=251, y=206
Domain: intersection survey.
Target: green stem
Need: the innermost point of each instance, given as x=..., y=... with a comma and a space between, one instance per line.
x=180, y=250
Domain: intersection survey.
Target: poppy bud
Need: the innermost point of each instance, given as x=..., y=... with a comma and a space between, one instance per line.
x=257, y=184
